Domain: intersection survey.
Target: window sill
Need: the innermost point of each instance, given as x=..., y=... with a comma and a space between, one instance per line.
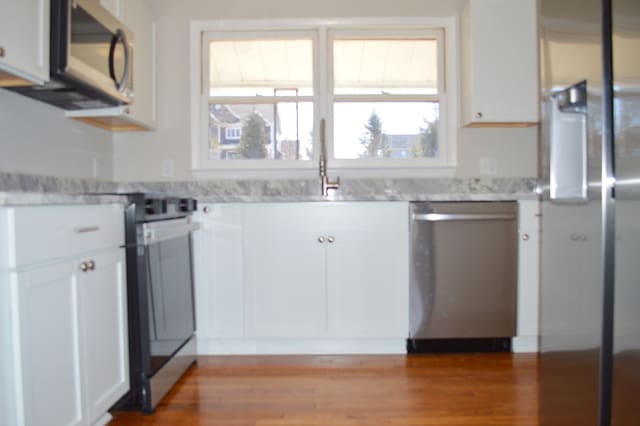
x=332, y=172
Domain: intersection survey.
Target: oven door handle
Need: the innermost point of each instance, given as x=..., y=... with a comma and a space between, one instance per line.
x=155, y=233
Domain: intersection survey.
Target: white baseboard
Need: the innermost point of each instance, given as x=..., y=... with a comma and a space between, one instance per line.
x=300, y=346
x=519, y=344
x=524, y=344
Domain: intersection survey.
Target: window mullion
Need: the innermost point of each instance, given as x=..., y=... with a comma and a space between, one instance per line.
x=258, y=99
x=386, y=98
x=322, y=72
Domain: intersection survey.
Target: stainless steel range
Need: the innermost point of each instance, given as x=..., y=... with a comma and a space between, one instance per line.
x=160, y=296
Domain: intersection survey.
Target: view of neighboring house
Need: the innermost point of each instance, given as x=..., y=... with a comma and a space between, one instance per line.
x=400, y=146
x=225, y=128
x=227, y=123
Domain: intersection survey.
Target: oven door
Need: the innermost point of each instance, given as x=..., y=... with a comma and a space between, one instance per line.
x=169, y=271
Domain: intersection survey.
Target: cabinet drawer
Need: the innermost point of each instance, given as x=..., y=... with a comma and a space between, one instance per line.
x=45, y=233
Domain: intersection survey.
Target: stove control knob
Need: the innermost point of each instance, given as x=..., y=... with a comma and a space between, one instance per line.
x=155, y=206
x=187, y=205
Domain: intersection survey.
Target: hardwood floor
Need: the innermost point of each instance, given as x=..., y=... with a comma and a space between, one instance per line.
x=415, y=390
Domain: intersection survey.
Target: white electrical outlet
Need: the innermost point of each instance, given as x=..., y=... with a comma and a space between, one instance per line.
x=488, y=166
x=168, y=167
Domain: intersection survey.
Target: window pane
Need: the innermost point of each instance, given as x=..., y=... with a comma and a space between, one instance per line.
x=385, y=66
x=258, y=67
x=278, y=131
x=393, y=130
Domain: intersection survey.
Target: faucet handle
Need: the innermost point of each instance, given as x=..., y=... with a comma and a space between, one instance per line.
x=328, y=185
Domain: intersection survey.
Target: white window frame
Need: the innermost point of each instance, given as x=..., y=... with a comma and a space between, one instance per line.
x=323, y=105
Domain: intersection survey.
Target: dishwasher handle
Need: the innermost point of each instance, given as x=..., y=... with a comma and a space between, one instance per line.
x=448, y=217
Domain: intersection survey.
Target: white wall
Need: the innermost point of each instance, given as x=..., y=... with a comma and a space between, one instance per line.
x=139, y=156
x=36, y=138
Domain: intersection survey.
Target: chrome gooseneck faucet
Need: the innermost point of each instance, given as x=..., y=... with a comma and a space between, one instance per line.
x=326, y=183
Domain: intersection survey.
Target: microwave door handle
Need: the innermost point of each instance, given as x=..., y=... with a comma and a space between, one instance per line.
x=119, y=37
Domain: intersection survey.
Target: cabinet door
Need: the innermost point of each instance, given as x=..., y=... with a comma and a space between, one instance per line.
x=500, y=72
x=528, y=276
x=24, y=42
x=368, y=284
x=50, y=345
x=285, y=285
x=104, y=326
x=218, y=272
x=137, y=17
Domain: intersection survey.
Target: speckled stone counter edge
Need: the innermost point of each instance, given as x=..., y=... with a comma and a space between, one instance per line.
x=23, y=189
x=33, y=189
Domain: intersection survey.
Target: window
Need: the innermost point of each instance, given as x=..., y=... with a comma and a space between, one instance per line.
x=386, y=94
x=260, y=91
x=233, y=133
x=380, y=95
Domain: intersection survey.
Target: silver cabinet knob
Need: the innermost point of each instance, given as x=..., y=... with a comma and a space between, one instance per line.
x=321, y=239
x=84, y=267
x=91, y=265
x=1, y=52
x=525, y=237
x=206, y=209
x=478, y=115
x=331, y=239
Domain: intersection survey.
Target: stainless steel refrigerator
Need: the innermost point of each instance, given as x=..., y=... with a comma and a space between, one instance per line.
x=590, y=245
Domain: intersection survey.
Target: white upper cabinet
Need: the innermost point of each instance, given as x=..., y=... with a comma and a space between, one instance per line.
x=137, y=16
x=141, y=114
x=500, y=63
x=24, y=42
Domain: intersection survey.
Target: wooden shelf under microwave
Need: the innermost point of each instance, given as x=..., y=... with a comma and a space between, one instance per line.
x=115, y=119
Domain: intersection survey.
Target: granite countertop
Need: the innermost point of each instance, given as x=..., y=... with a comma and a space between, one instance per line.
x=22, y=189
x=55, y=198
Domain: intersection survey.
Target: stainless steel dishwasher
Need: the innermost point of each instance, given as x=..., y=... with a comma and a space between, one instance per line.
x=463, y=278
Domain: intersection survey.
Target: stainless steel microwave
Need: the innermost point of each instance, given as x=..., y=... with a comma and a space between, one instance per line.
x=91, y=58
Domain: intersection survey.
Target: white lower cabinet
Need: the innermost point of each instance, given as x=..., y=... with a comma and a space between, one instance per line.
x=367, y=295
x=50, y=345
x=66, y=323
x=103, y=322
x=313, y=278
x=285, y=281
x=219, y=293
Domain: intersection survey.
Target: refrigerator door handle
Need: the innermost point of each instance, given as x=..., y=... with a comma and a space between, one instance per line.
x=447, y=217
x=573, y=99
